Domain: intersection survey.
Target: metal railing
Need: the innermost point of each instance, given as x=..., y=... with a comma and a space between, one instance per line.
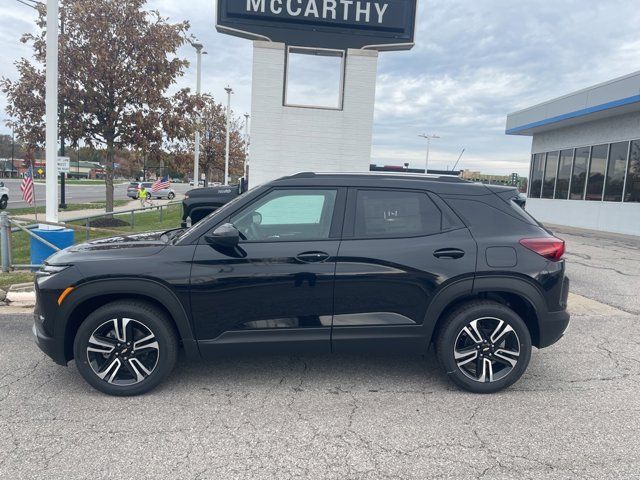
x=9, y=225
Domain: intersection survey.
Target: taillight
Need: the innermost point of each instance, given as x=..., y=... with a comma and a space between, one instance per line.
x=551, y=248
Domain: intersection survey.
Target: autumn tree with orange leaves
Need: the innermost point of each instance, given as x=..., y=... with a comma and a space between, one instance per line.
x=117, y=63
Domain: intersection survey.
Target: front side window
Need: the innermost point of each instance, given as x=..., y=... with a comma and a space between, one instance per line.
x=616, y=171
x=597, y=168
x=390, y=213
x=288, y=215
x=632, y=190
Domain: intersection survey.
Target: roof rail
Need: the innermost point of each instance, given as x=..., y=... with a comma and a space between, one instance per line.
x=396, y=175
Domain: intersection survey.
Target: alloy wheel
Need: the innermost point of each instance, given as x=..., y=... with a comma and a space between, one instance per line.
x=487, y=349
x=123, y=351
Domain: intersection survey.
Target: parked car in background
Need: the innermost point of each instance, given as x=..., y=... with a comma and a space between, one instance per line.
x=133, y=191
x=315, y=263
x=4, y=196
x=200, y=202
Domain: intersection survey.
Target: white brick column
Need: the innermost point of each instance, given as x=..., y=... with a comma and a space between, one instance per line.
x=286, y=140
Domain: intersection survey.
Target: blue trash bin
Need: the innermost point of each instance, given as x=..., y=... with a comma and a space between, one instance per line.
x=62, y=238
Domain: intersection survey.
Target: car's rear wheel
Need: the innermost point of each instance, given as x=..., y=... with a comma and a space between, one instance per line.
x=484, y=346
x=126, y=348
x=4, y=201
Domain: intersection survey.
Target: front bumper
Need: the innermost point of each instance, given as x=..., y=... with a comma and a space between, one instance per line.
x=49, y=345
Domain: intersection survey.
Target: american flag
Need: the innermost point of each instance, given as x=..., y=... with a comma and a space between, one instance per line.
x=160, y=184
x=26, y=187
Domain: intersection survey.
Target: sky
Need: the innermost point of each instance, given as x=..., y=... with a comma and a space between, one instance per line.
x=474, y=62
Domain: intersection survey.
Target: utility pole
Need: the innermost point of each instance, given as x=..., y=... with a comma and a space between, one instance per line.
x=247, y=143
x=229, y=91
x=63, y=203
x=429, y=138
x=13, y=150
x=51, y=104
x=52, y=112
x=196, y=154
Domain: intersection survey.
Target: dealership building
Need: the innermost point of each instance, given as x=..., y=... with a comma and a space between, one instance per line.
x=585, y=157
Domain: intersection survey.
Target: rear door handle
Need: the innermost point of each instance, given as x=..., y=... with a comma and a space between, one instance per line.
x=453, y=253
x=313, y=257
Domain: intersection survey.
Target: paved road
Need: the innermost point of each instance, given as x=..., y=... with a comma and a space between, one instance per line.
x=575, y=414
x=74, y=193
x=605, y=267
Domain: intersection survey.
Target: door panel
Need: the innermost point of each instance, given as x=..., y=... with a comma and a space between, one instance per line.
x=384, y=285
x=263, y=291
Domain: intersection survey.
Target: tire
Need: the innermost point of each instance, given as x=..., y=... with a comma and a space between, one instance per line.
x=483, y=359
x=101, y=342
x=171, y=196
x=4, y=201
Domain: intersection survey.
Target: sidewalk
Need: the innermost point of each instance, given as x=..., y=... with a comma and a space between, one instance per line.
x=64, y=216
x=20, y=298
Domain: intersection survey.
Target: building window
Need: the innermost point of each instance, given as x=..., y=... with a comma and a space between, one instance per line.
x=615, y=171
x=597, y=169
x=550, y=172
x=632, y=189
x=579, y=175
x=314, y=78
x=536, y=175
x=564, y=174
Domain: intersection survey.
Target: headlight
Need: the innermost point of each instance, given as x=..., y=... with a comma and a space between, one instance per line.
x=47, y=270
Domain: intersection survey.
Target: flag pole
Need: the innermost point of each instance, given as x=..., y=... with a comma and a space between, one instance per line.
x=35, y=203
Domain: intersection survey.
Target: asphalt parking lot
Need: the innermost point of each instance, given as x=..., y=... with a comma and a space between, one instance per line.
x=575, y=413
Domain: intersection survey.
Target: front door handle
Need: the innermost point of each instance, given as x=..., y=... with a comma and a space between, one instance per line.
x=313, y=257
x=452, y=253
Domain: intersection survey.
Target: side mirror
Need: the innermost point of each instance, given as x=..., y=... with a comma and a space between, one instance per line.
x=225, y=236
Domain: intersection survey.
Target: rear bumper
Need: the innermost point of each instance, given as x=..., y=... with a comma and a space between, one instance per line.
x=552, y=327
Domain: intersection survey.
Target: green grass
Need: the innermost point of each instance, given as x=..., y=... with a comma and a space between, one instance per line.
x=72, y=207
x=13, y=278
x=144, y=222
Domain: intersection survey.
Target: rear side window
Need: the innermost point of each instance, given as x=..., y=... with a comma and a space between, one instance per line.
x=395, y=213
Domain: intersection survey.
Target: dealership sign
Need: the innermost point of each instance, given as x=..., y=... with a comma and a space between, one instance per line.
x=335, y=24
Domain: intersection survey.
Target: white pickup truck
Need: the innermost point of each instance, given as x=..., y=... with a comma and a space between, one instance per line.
x=4, y=196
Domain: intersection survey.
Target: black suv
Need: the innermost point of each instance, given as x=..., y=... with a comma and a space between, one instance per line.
x=315, y=263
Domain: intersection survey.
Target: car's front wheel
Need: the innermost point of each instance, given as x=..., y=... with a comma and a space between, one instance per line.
x=125, y=348
x=171, y=196
x=4, y=201
x=484, y=346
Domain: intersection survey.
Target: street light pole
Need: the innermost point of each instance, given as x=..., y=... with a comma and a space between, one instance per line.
x=247, y=143
x=52, y=112
x=229, y=91
x=429, y=138
x=13, y=150
x=196, y=154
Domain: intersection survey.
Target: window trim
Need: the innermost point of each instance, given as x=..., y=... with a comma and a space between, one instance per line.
x=337, y=220
x=348, y=232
